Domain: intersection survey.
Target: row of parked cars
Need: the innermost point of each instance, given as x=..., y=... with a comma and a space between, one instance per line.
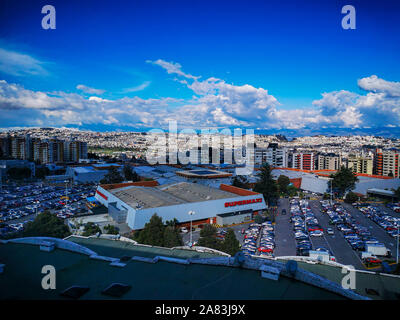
x=359, y=237
x=389, y=223
x=259, y=238
x=394, y=206
x=355, y=234
x=12, y=227
x=19, y=201
x=305, y=225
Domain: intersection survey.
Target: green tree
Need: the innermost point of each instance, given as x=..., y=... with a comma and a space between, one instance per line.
x=258, y=219
x=292, y=191
x=344, y=180
x=91, y=229
x=240, y=182
x=208, y=237
x=172, y=237
x=230, y=245
x=110, y=229
x=46, y=225
x=283, y=183
x=153, y=232
x=326, y=196
x=172, y=223
x=130, y=174
x=267, y=185
x=351, y=197
x=113, y=176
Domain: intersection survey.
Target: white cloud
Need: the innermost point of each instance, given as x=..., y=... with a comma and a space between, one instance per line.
x=19, y=64
x=172, y=68
x=375, y=84
x=140, y=87
x=90, y=90
x=215, y=103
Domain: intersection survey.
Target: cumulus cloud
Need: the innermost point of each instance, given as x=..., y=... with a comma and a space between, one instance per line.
x=90, y=90
x=375, y=84
x=214, y=103
x=18, y=64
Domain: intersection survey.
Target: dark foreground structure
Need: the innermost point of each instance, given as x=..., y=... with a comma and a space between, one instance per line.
x=141, y=272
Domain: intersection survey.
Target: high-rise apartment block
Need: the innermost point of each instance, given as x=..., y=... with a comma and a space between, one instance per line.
x=360, y=164
x=303, y=161
x=328, y=162
x=386, y=163
x=44, y=151
x=274, y=156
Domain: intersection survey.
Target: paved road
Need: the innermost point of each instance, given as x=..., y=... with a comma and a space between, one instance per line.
x=284, y=235
x=340, y=248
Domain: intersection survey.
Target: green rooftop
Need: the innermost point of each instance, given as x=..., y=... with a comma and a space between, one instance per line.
x=22, y=277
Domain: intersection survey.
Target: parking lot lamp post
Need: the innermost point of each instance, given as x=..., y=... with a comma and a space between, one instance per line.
x=191, y=213
x=331, y=192
x=397, y=251
x=66, y=194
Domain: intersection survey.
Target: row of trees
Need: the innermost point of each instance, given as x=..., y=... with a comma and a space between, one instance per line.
x=208, y=238
x=114, y=176
x=156, y=233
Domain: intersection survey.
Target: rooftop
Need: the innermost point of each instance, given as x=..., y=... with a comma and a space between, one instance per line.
x=160, y=280
x=168, y=195
x=203, y=174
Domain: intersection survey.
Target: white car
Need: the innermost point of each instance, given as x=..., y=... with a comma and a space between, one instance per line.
x=184, y=230
x=316, y=233
x=330, y=231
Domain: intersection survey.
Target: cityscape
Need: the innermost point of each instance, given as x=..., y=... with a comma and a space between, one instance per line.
x=242, y=174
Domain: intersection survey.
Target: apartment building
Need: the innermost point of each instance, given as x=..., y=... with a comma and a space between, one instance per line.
x=74, y=150
x=328, y=162
x=360, y=164
x=303, y=161
x=48, y=151
x=21, y=147
x=273, y=155
x=386, y=163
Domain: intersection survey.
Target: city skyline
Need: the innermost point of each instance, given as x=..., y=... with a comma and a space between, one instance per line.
x=285, y=68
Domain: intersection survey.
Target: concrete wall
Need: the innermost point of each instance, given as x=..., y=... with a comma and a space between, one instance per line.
x=234, y=219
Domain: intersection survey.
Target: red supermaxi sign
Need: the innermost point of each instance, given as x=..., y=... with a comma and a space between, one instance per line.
x=242, y=202
x=102, y=195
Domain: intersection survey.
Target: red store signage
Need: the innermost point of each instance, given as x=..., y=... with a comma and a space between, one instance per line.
x=242, y=202
x=102, y=195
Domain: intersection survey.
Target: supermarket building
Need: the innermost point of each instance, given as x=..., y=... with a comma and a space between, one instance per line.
x=135, y=204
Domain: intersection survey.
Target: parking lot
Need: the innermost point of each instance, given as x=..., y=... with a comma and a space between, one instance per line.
x=19, y=204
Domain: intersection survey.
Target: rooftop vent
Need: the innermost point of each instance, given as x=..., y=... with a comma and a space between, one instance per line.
x=74, y=292
x=116, y=290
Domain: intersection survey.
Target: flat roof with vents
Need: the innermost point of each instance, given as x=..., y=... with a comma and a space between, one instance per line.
x=168, y=195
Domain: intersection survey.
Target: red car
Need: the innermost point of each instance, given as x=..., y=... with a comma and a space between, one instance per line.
x=262, y=249
x=373, y=260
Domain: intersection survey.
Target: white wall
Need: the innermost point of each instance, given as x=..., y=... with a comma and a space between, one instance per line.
x=136, y=219
x=203, y=210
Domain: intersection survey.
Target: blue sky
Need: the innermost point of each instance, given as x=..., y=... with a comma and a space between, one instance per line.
x=149, y=61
